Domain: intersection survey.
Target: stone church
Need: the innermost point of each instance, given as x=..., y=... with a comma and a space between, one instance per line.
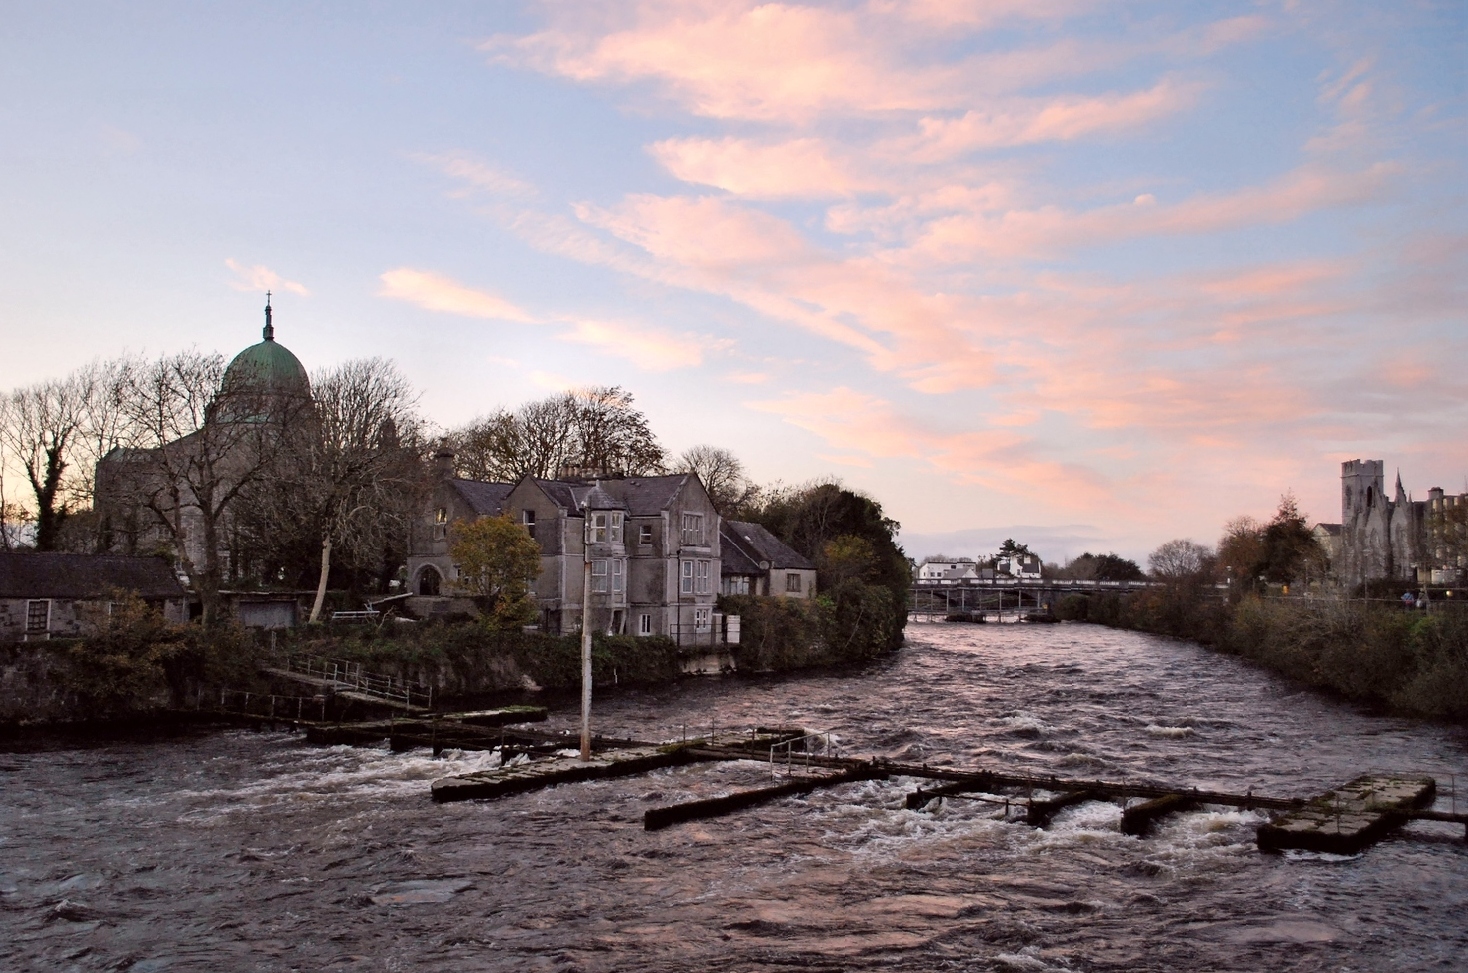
x=1396, y=537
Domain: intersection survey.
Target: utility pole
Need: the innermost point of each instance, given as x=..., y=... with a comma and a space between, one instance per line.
x=586, y=640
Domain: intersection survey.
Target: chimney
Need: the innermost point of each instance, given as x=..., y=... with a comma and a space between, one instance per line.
x=443, y=462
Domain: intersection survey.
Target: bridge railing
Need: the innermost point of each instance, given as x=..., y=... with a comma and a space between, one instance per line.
x=352, y=676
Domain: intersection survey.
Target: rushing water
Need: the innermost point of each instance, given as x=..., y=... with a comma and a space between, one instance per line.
x=255, y=851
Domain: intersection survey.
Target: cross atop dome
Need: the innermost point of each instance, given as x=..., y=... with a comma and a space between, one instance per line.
x=269, y=332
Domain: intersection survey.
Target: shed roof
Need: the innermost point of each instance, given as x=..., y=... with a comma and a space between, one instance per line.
x=50, y=574
x=761, y=545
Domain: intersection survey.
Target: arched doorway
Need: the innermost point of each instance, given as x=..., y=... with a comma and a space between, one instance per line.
x=429, y=581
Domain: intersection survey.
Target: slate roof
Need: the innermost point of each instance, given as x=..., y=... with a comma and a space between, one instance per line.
x=1333, y=530
x=640, y=496
x=51, y=574
x=485, y=499
x=761, y=545
x=733, y=557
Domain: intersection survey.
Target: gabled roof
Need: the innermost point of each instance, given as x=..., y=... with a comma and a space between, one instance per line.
x=647, y=496
x=640, y=496
x=485, y=499
x=734, y=557
x=1333, y=530
x=50, y=574
x=760, y=545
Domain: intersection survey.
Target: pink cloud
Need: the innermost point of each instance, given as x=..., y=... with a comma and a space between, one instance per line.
x=435, y=292
x=802, y=168
x=650, y=349
x=262, y=278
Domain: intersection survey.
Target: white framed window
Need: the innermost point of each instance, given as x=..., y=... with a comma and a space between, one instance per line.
x=700, y=619
x=693, y=530
x=619, y=575
x=644, y=534
x=616, y=528
x=792, y=582
x=599, y=575
x=38, y=616
x=701, y=577
x=528, y=519
x=686, y=584
x=597, y=530
x=440, y=523
x=644, y=624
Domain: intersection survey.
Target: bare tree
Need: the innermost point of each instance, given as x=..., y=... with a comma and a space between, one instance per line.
x=588, y=432
x=42, y=423
x=355, y=473
x=196, y=446
x=1180, y=559
x=722, y=475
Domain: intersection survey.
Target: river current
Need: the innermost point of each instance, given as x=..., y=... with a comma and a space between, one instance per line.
x=238, y=850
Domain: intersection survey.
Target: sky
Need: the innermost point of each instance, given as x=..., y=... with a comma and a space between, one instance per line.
x=1094, y=275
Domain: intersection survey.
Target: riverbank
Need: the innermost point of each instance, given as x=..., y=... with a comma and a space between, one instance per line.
x=142, y=666
x=1407, y=662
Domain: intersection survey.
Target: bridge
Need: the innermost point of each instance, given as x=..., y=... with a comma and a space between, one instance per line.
x=940, y=598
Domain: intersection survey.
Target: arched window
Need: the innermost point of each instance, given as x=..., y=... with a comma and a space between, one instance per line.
x=1370, y=497
x=429, y=581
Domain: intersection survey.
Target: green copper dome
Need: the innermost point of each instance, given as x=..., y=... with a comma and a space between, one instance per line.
x=267, y=368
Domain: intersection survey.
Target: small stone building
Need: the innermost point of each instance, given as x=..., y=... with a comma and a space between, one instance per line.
x=756, y=562
x=53, y=595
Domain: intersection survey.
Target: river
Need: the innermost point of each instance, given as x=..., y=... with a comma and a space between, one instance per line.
x=237, y=850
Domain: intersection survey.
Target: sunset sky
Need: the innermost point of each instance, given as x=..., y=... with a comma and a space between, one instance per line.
x=1091, y=274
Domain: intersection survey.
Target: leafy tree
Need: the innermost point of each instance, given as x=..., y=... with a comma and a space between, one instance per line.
x=1102, y=567
x=846, y=558
x=497, y=560
x=1281, y=551
x=809, y=517
x=1010, y=549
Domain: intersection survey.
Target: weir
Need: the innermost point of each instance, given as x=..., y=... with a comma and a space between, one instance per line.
x=1343, y=821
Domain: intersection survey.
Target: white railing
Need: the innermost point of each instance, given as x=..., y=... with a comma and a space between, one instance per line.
x=806, y=746
x=350, y=675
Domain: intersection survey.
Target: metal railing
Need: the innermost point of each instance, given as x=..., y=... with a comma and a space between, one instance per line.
x=806, y=746
x=350, y=675
x=272, y=705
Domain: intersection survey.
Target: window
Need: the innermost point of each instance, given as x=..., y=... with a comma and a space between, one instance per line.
x=616, y=528
x=792, y=582
x=599, y=575
x=644, y=534
x=619, y=575
x=701, y=577
x=736, y=584
x=596, y=532
x=440, y=523
x=700, y=619
x=644, y=624
x=686, y=587
x=693, y=530
x=38, y=616
x=528, y=519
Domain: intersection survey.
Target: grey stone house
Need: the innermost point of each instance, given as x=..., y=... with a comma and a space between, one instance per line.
x=54, y=595
x=654, y=554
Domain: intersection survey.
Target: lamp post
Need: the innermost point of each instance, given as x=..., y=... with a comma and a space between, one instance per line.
x=602, y=535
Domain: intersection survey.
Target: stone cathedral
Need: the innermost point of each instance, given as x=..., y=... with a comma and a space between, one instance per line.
x=1396, y=537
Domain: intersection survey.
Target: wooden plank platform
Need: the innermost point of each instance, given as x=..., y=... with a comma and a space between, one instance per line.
x=658, y=818
x=551, y=771
x=1346, y=820
x=1138, y=819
